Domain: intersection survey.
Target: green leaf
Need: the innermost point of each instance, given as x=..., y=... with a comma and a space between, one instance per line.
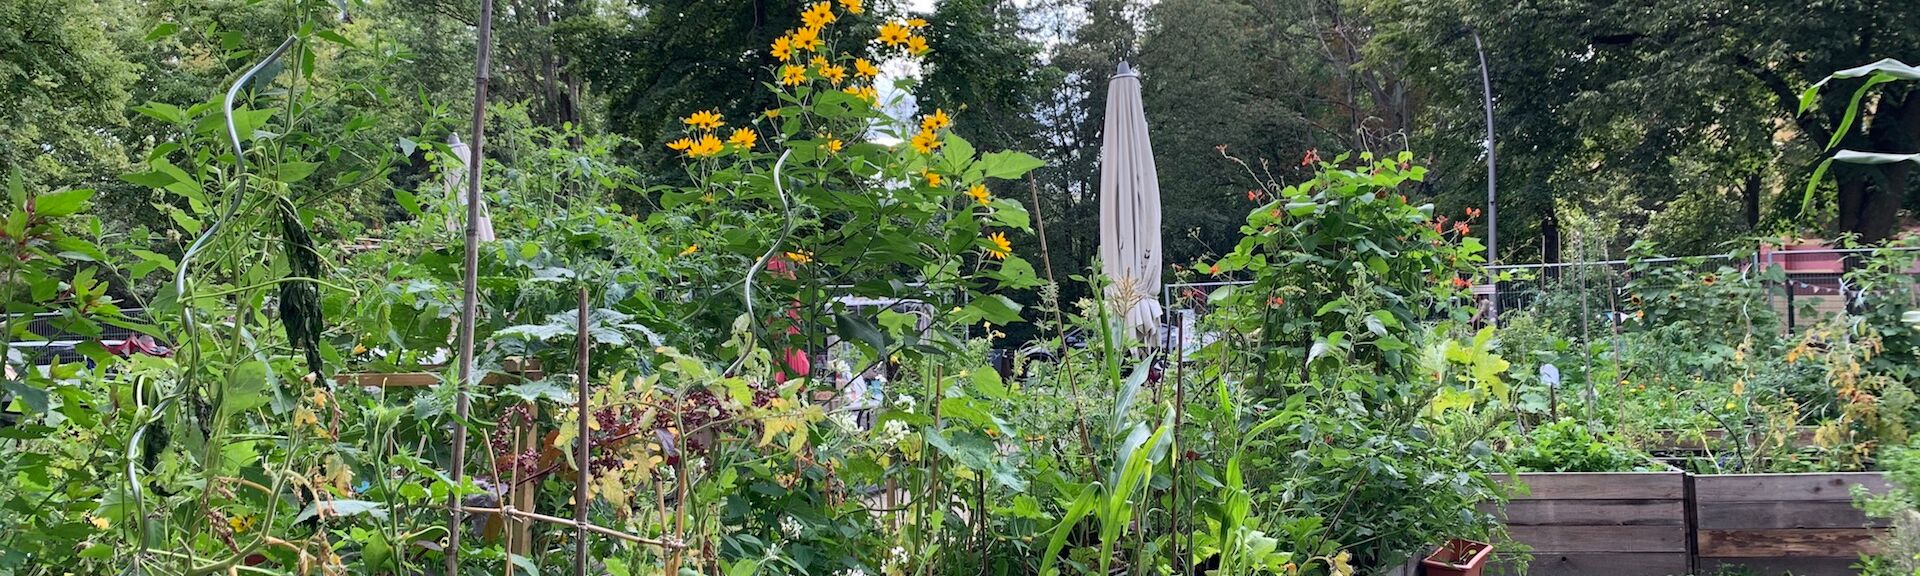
x=292, y=172
x=957, y=152
x=1008, y=164
x=33, y=398
x=1813, y=184
x=987, y=382
x=163, y=30
x=163, y=112
x=534, y=391
x=854, y=326
x=1853, y=108
x=1079, y=509
x=62, y=203
x=991, y=308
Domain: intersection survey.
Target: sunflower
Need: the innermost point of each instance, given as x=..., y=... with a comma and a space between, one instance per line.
x=818, y=15
x=852, y=6
x=691, y=248
x=744, y=137
x=867, y=93
x=707, y=145
x=980, y=194
x=917, y=23
x=1001, y=248
x=791, y=75
x=864, y=68
x=917, y=45
x=933, y=178
x=801, y=257
x=680, y=145
x=783, y=48
x=894, y=34
x=704, y=120
x=806, y=39
x=935, y=121
x=834, y=73
x=833, y=145
x=926, y=141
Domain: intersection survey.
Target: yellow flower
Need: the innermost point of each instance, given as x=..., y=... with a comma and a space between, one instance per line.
x=771, y=113
x=704, y=120
x=240, y=523
x=917, y=23
x=1001, y=248
x=806, y=39
x=691, y=248
x=852, y=6
x=707, y=145
x=864, y=68
x=744, y=137
x=818, y=61
x=801, y=257
x=867, y=93
x=933, y=178
x=680, y=145
x=926, y=141
x=834, y=73
x=833, y=145
x=359, y=348
x=935, y=121
x=917, y=45
x=818, y=15
x=894, y=34
x=98, y=522
x=783, y=48
x=980, y=194
x=320, y=397
x=791, y=75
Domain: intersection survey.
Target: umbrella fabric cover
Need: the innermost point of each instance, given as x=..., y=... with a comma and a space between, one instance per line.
x=1130, y=208
x=456, y=185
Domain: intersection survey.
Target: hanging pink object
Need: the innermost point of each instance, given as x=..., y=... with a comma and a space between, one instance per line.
x=796, y=362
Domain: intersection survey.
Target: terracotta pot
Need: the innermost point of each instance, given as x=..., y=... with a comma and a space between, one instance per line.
x=1458, y=558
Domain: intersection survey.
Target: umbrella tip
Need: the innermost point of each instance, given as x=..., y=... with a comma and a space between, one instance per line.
x=453, y=138
x=1124, y=69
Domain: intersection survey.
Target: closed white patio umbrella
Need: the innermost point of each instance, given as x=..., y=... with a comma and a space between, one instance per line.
x=1130, y=209
x=456, y=180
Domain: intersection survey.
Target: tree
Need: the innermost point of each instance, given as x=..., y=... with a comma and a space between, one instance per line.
x=64, y=83
x=986, y=70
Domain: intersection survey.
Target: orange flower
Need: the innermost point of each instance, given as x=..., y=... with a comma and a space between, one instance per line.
x=1276, y=301
x=1459, y=282
x=1312, y=157
x=1461, y=228
x=1253, y=195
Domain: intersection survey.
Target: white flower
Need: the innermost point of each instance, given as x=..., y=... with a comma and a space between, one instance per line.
x=790, y=526
x=893, y=432
x=845, y=421
x=896, y=560
x=904, y=403
x=851, y=572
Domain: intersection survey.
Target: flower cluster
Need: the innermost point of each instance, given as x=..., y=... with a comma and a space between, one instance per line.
x=901, y=34
x=706, y=143
x=798, y=68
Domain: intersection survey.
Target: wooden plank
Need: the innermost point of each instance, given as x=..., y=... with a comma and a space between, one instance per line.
x=1788, y=543
x=1591, y=564
x=1783, y=514
x=422, y=379
x=1672, y=440
x=1600, y=485
x=1835, y=486
x=1594, y=513
x=1780, y=566
x=1561, y=539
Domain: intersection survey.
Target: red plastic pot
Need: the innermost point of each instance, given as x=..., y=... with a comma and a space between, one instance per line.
x=1458, y=558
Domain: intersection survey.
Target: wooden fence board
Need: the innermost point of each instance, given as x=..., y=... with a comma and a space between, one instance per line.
x=1586, y=564
x=1778, y=566
x=1835, y=486
x=1563, y=539
x=1595, y=513
x=1783, y=514
x=1601, y=485
x=1787, y=543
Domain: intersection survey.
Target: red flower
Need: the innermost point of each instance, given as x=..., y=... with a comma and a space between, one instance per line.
x=1276, y=301
x=1459, y=282
x=1312, y=157
x=1214, y=269
x=1253, y=195
x=1461, y=228
x=1473, y=213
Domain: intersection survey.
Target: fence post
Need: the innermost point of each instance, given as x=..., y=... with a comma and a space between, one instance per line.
x=584, y=337
x=1692, y=506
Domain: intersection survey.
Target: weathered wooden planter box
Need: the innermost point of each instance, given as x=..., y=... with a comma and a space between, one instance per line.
x=1654, y=523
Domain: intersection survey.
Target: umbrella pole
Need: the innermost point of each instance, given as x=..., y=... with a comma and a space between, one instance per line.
x=1060, y=327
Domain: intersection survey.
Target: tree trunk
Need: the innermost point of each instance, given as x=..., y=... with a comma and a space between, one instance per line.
x=1750, y=200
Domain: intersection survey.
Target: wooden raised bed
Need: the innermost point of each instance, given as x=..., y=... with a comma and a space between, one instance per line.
x=1777, y=523
x=1655, y=523
x=1597, y=523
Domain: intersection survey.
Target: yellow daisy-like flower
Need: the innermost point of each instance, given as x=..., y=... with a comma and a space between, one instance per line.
x=894, y=34
x=691, y=248
x=980, y=194
x=241, y=523
x=935, y=121
x=707, y=145
x=834, y=144
x=791, y=75
x=853, y=6
x=806, y=39
x=744, y=137
x=783, y=48
x=818, y=61
x=917, y=45
x=680, y=145
x=917, y=23
x=926, y=141
x=1001, y=248
x=834, y=73
x=864, y=68
x=867, y=93
x=771, y=113
x=704, y=120
x=933, y=178
x=818, y=15
x=98, y=522
x=801, y=257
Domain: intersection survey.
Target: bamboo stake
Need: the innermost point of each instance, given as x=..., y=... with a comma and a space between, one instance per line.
x=1060, y=328
x=580, y=444
x=469, y=284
